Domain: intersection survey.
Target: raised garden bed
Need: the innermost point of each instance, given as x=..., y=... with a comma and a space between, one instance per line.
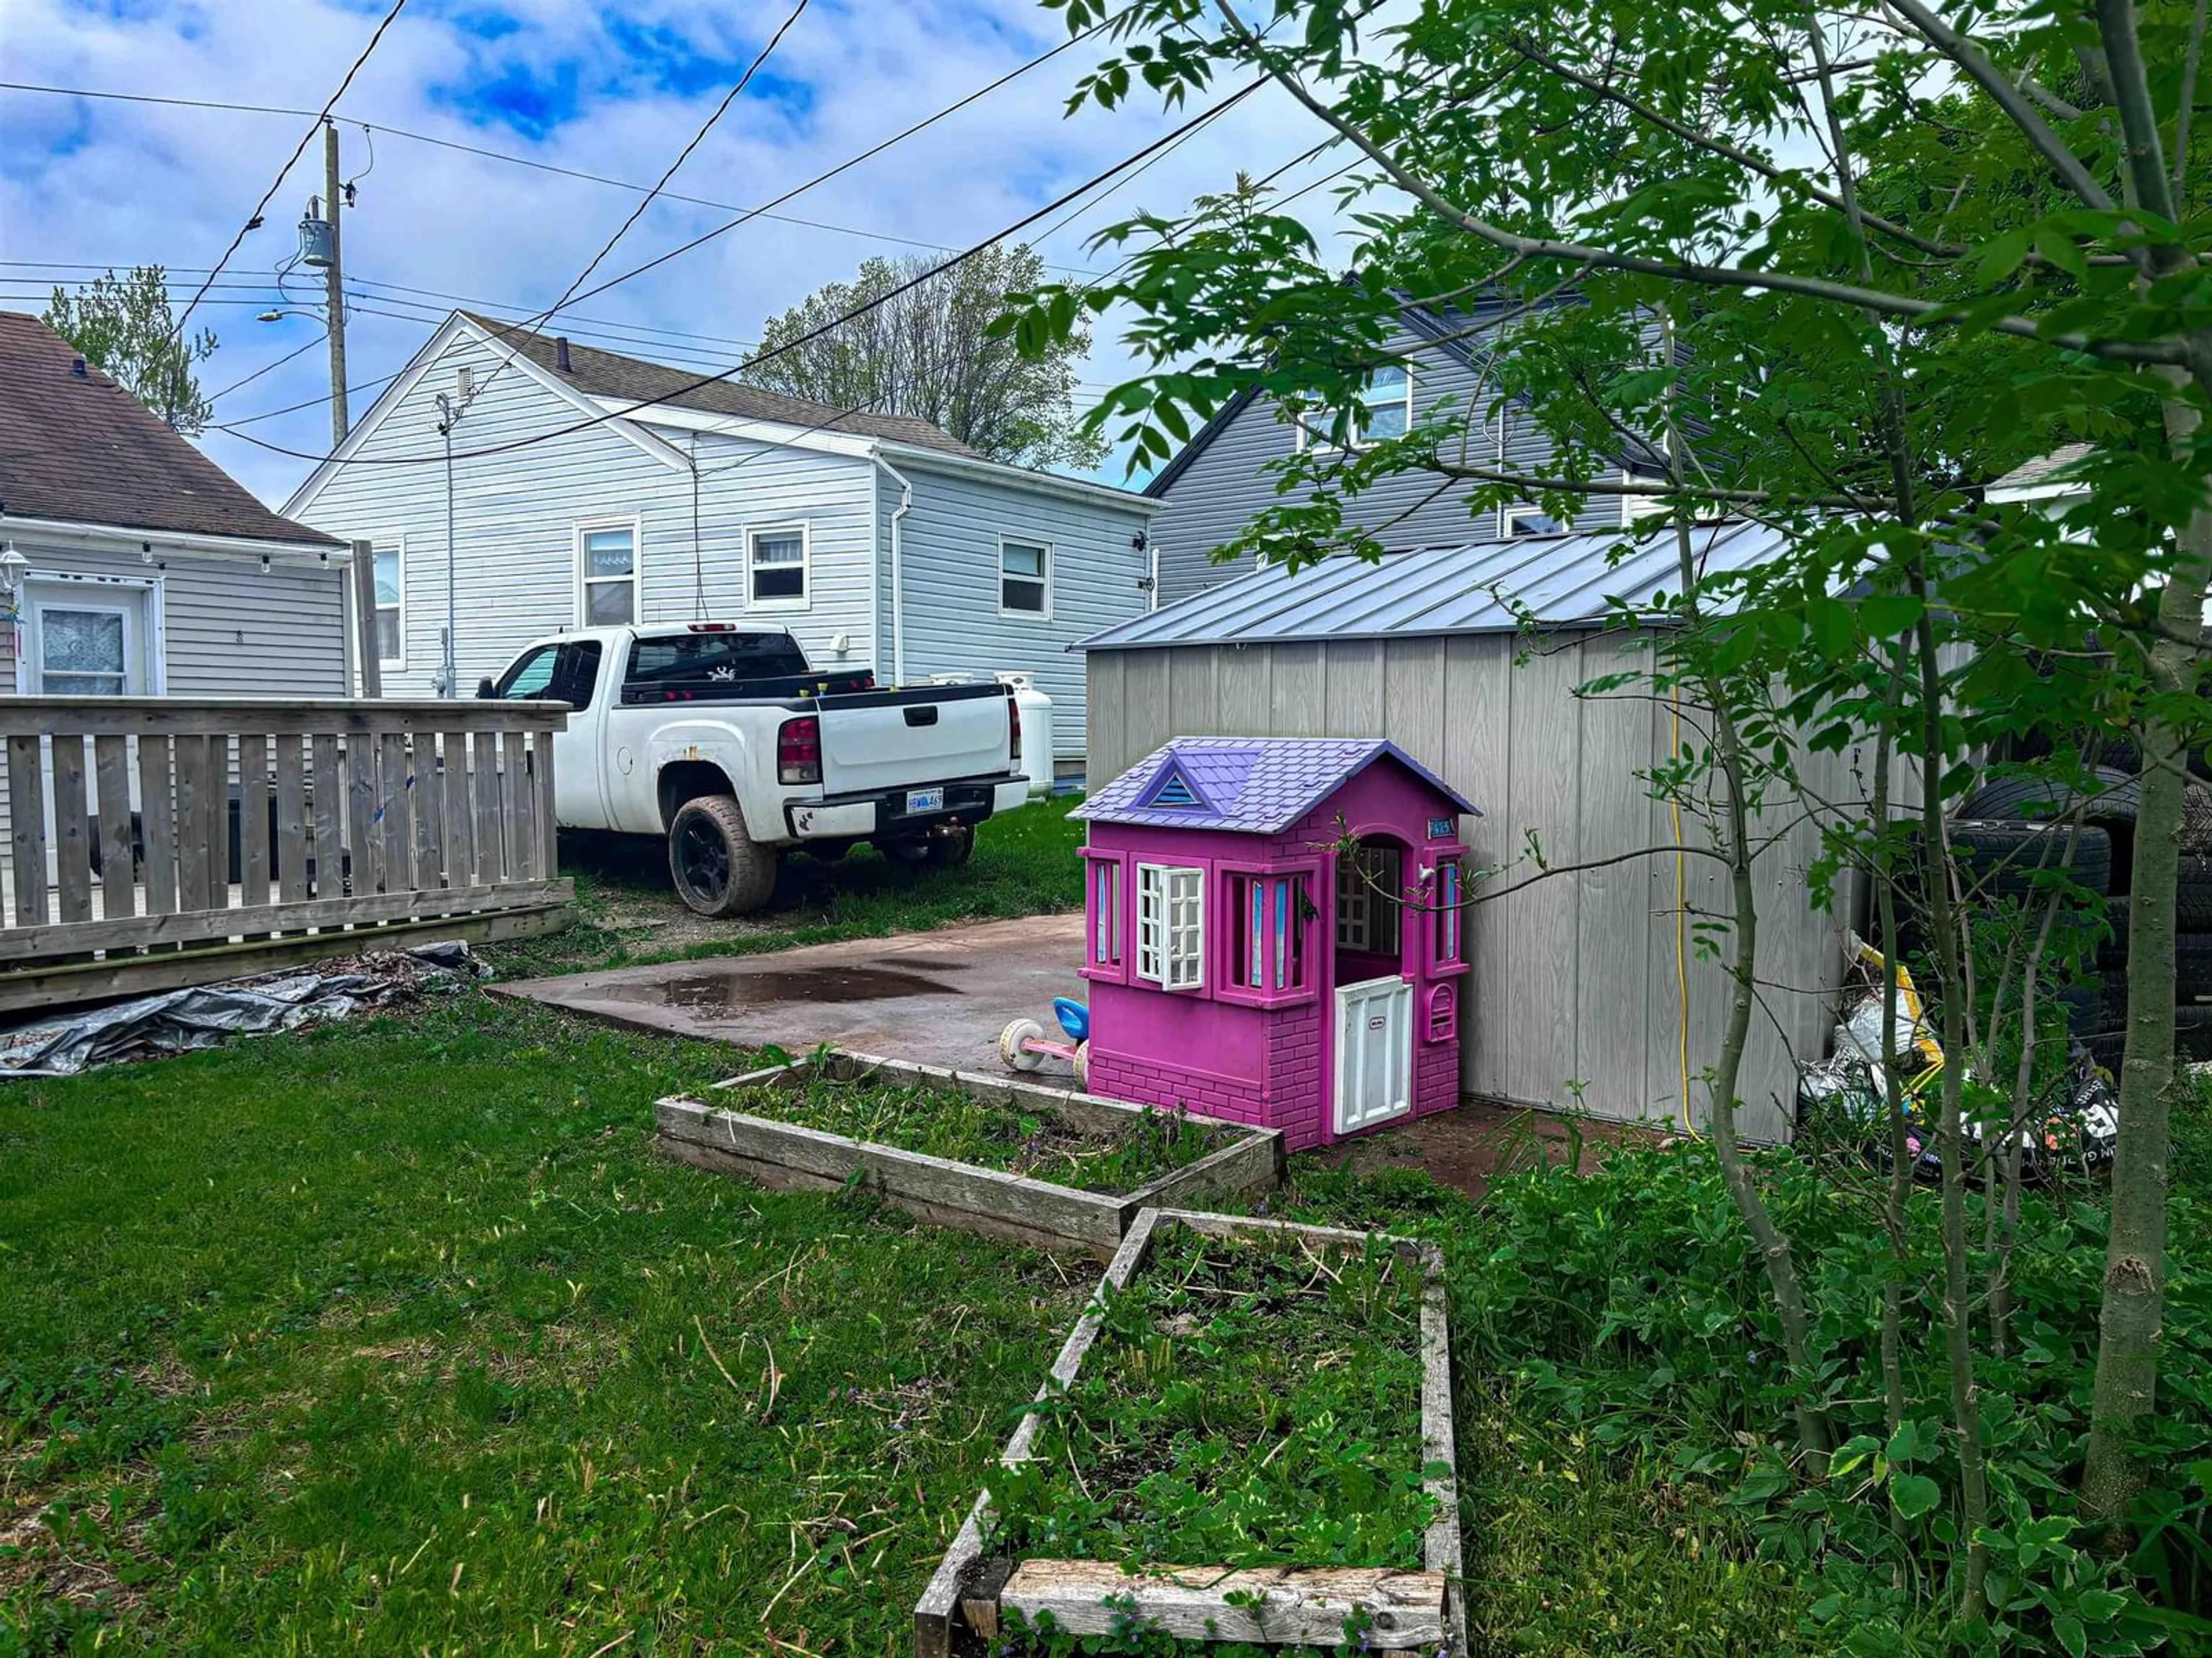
x=988, y=1155
x=1274, y=1398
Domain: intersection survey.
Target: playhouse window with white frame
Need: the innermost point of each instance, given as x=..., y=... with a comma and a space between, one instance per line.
x=1171, y=926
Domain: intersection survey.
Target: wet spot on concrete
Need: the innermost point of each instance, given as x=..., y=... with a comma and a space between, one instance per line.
x=731, y=988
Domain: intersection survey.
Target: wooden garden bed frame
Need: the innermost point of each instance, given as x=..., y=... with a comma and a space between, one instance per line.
x=987, y=1201
x=1275, y=1606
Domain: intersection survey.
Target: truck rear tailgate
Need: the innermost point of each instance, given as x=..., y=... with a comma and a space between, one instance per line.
x=897, y=739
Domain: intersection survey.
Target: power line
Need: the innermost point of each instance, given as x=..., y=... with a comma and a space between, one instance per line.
x=298, y=149
x=673, y=393
x=537, y=166
x=452, y=300
x=749, y=213
x=266, y=368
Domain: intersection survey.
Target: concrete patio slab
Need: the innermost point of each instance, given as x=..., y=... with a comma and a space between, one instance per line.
x=938, y=998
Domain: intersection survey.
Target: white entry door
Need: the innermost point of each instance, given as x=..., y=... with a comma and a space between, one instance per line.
x=1374, y=1052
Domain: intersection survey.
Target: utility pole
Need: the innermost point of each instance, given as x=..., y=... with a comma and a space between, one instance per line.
x=334, y=288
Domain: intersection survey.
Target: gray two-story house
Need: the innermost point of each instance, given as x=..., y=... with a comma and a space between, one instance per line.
x=585, y=487
x=1221, y=479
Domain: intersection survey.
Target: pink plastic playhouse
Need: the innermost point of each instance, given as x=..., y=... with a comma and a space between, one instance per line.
x=1275, y=933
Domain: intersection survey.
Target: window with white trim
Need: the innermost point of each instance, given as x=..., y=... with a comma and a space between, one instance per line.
x=1171, y=926
x=777, y=567
x=84, y=650
x=1528, y=520
x=606, y=559
x=390, y=629
x=1024, y=577
x=1382, y=408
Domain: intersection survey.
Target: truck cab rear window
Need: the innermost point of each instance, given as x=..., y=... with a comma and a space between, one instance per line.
x=555, y=673
x=711, y=661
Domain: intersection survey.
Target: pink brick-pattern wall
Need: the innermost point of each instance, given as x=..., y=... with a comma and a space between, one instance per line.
x=1141, y=1082
x=1435, y=1075
x=1297, y=1092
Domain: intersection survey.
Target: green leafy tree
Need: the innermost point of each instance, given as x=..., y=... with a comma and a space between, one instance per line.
x=124, y=326
x=1839, y=269
x=924, y=347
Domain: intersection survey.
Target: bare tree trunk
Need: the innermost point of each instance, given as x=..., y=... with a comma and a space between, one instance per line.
x=1943, y=923
x=1893, y=1216
x=1767, y=1238
x=2003, y=1161
x=2134, y=1251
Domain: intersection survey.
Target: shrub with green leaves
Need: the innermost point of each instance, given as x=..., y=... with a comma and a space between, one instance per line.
x=1626, y=1303
x=1246, y=1403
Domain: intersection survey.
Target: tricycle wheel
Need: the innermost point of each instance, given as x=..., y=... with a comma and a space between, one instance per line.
x=1016, y=1056
x=1083, y=1064
x=718, y=868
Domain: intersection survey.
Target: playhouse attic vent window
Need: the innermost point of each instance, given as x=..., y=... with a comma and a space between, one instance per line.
x=1175, y=791
x=1171, y=926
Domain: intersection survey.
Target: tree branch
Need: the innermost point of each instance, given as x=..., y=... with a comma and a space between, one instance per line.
x=1871, y=300
x=1721, y=147
x=2017, y=106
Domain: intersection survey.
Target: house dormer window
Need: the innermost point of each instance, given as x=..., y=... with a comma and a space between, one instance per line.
x=1382, y=410
x=1171, y=926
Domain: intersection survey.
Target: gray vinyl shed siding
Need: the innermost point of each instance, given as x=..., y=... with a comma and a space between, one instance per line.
x=949, y=551
x=516, y=514
x=1227, y=482
x=1574, y=997
x=230, y=629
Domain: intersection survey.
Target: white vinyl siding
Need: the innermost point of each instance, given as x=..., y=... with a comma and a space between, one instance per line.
x=1024, y=578
x=607, y=574
x=515, y=516
x=778, y=565
x=951, y=546
x=1171, y=926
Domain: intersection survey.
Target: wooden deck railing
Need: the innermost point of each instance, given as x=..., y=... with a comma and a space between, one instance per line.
x=157, y=842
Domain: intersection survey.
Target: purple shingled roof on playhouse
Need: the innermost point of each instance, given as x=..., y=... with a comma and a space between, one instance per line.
x=1246, y=785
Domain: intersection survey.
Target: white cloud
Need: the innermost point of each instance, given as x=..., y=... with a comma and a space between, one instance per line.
x=127, y=183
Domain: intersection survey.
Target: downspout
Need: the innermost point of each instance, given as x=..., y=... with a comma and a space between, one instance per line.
x=898, y=582
x=450, y=670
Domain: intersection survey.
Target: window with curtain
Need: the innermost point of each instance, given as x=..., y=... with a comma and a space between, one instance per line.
x=775, y=561
x=82, y=652
x=391, y=636
x=609, y=558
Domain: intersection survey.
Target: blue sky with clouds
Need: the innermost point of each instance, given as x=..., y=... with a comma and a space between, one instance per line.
x=613, y=90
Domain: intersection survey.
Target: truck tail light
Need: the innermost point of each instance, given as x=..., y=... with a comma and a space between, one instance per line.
x=798, y=751
x=1014, y=732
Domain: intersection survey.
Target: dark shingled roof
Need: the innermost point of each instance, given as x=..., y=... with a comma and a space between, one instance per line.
x=600, y=374
x=85, y=450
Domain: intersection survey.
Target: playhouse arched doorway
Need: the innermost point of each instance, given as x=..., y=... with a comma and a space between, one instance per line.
x=1372, y=983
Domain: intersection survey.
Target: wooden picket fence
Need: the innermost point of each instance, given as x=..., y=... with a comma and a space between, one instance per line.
x=160, y=842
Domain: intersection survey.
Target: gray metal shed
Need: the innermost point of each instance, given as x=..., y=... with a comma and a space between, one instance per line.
x=1587, y=988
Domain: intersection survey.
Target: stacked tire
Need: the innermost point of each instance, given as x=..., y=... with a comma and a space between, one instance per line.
x=2012, y=832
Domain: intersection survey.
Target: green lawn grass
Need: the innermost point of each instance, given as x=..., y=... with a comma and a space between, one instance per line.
x=1025, y=863
x=397, y=1337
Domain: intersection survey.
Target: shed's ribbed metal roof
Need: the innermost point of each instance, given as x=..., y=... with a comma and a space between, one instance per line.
x=1487, y=587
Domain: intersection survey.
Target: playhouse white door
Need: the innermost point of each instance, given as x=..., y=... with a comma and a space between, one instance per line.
x=1374, y=1052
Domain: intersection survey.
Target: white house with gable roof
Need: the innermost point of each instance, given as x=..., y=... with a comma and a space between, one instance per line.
x=588, y=486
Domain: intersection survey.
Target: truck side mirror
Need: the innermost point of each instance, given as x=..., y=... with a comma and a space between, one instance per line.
x=486, y=689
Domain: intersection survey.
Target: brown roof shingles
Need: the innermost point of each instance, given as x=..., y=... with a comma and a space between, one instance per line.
x=598, y=374
x=83, y=449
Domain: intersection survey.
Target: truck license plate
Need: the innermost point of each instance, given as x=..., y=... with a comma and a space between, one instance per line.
x=924, y=800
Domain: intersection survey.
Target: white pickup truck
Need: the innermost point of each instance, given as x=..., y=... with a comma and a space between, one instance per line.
x=717, y=736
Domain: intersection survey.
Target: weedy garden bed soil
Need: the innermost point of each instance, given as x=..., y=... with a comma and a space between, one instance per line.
x=1247, y=1437
x=988, y=1155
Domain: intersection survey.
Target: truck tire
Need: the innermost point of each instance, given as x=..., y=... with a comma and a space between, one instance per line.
x=2000, y=858
x=718, y=868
